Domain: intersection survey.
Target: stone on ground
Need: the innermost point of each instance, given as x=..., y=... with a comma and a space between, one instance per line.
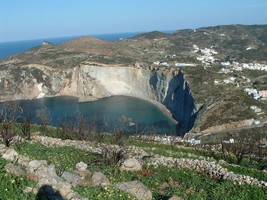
x=74, y=179
x=14, y=169
x=10, y=155
x=131, y=164
x=99, y=179
x=135, y=188
x=174, y=197
x=81, y=166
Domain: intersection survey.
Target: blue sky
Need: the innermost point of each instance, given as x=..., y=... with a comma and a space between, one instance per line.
x=33, y=19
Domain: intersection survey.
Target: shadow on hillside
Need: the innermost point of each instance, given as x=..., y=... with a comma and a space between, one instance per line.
x=46, y=192
x=162, y=197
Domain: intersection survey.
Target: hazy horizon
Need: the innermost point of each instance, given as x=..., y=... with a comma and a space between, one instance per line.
x=30, y=20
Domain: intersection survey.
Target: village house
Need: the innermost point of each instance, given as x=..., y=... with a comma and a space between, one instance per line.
x=263, y=93
x=253, y=92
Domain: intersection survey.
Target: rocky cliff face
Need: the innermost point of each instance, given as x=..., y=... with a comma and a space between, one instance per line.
x=91, y=82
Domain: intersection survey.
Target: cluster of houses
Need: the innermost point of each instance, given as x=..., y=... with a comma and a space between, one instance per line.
x=256, y=110
x=240, y=66
x=206, y=55
x=176, y=64
x=229, y=67
x=256, y=94
x=261, y=94
x=161, y=63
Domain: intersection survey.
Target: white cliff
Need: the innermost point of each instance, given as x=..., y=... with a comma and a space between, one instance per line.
x=91, y=82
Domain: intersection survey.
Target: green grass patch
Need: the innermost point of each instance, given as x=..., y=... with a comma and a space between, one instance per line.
x=189, y=184
x=64, y=158
x=110, y=193
x=11, y=186
x=162, y=181
x=165, y=182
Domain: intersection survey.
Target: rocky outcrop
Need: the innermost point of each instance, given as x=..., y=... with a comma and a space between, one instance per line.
x=167, y=88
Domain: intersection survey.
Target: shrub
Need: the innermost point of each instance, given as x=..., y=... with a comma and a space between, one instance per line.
x=25, y=127
x=9, y=113
x=113, y=155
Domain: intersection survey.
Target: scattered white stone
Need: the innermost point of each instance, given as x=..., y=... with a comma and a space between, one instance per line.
x=10, y=154
x=131, y=124
x=257, y=122
x=81, y=166
x=28, y=189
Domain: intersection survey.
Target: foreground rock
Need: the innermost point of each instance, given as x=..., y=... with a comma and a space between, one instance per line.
x=11, y=155
x=11, y=168
x=74, y=179
x=131, y=164
x=99, y=179
x=81, y=166
x=135, y=188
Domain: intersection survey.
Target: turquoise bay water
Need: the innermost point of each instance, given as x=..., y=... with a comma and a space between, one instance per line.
x=104, y=114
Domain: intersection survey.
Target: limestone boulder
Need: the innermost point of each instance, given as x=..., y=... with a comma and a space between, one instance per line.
x=74, y=179
x=63, y=188
x=99, y=179
x=131, y=164
x=10, y=154
x=14, y=169
x=23, y=160
x=135, y=188
x=35, y=164
x=81, y=166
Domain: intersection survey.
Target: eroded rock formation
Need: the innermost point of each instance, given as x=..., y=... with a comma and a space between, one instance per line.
x=90, y=82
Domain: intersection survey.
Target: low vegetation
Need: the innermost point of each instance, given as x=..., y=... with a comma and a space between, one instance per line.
x=246, y=156
x=163, y=181
x=12, y=187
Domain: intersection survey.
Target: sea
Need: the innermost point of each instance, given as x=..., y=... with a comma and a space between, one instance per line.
x=16, y=47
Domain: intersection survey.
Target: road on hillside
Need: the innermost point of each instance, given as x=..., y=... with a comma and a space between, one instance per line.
x=261, y=124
